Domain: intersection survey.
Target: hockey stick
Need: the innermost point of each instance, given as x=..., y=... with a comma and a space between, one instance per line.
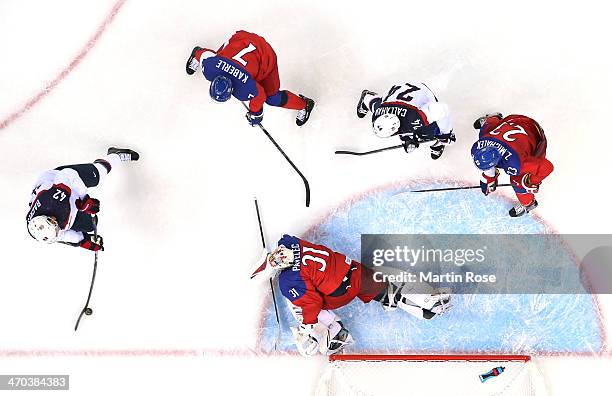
x=86, y=310
x=263, y=242
x=368, y=152
x=306, y=185
x=455, y=188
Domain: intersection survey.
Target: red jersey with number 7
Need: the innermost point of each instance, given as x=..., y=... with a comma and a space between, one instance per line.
x=249, y=62
x=252, y=52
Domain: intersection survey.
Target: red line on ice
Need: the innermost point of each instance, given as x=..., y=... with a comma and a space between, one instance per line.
x=67, y=70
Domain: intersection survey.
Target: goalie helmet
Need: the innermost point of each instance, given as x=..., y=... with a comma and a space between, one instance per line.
x=386, y=125
x=486, y=157
x=221, y=89
x=281, y=258
x=44, y=229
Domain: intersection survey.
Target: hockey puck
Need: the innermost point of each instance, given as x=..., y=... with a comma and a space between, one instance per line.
x=88, y=311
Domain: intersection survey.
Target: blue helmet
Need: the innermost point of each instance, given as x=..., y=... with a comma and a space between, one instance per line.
x=486, y=157
x=221, y=89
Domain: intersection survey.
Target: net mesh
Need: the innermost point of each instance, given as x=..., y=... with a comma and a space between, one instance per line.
x=371, y=375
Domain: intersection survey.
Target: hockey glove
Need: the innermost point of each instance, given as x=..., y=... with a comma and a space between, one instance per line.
x=255, y=118
x=88, y=205
x=409, y=145
x=488, y=184
x=528, y=186
x=448, y=139
x=93, y=243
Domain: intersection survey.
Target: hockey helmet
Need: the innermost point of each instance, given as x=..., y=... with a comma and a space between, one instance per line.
x=281, y=258
x=221, y=89
x=44, y=229
x=386, y=125
x=486, y=157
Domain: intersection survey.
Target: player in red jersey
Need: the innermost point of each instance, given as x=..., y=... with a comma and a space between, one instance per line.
x=316, y=280
x=246, y=67
x=517, y=145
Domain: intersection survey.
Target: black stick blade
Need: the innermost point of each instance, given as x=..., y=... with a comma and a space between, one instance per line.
x=347, y=152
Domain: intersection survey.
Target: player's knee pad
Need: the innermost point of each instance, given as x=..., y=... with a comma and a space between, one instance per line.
x=279, y=99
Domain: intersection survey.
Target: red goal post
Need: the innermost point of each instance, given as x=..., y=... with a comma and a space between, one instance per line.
x=424, y=374
x=432, y=358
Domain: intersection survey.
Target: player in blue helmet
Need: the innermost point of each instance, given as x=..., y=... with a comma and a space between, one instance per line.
x=249, y=62
x=517, y=145
x=221, y=89
x=486, y=157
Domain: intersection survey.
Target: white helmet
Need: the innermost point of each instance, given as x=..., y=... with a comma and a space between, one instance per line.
x=386, y=125
x=281, y=258
x=44, y=229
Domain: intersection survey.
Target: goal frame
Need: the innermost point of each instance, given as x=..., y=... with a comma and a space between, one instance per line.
x=431, y=358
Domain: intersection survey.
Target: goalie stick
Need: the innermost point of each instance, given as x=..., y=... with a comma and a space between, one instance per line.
x=306, y=184
x=263, y=242
x=86, y=310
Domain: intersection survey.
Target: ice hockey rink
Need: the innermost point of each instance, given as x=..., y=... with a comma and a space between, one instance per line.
x=174, y=309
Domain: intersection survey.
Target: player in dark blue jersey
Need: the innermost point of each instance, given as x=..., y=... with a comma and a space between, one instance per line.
x=61, y=209
x=412, y=112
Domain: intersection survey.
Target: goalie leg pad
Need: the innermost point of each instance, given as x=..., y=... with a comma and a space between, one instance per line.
x=389, y=297
x=425, y=305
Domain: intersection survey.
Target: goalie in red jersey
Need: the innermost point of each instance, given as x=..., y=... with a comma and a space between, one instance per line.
x=246, y=67
x=315, y=280
x=517, y=145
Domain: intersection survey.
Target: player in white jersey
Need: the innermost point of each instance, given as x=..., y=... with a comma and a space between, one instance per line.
x=411, y=111
x=60, y=208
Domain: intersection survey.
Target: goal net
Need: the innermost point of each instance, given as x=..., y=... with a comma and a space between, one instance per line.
x=431, y=375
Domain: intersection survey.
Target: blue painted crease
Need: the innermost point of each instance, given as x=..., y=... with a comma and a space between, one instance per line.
x=526, y=324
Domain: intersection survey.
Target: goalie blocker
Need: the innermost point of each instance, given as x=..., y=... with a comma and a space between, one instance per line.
x=316, y=280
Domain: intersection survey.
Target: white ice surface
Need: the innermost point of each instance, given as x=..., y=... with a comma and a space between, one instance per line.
x=179, y=225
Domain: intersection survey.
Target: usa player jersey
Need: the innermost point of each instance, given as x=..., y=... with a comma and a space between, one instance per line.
x=55, y=194
x=317, y=278
x=246, y=59
x=517, y=138
x=421, y=116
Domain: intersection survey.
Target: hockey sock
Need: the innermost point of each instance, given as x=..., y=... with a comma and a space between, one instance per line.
x=525, y=199
x=105, y=165
x=203, y=54
x=294, y=102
